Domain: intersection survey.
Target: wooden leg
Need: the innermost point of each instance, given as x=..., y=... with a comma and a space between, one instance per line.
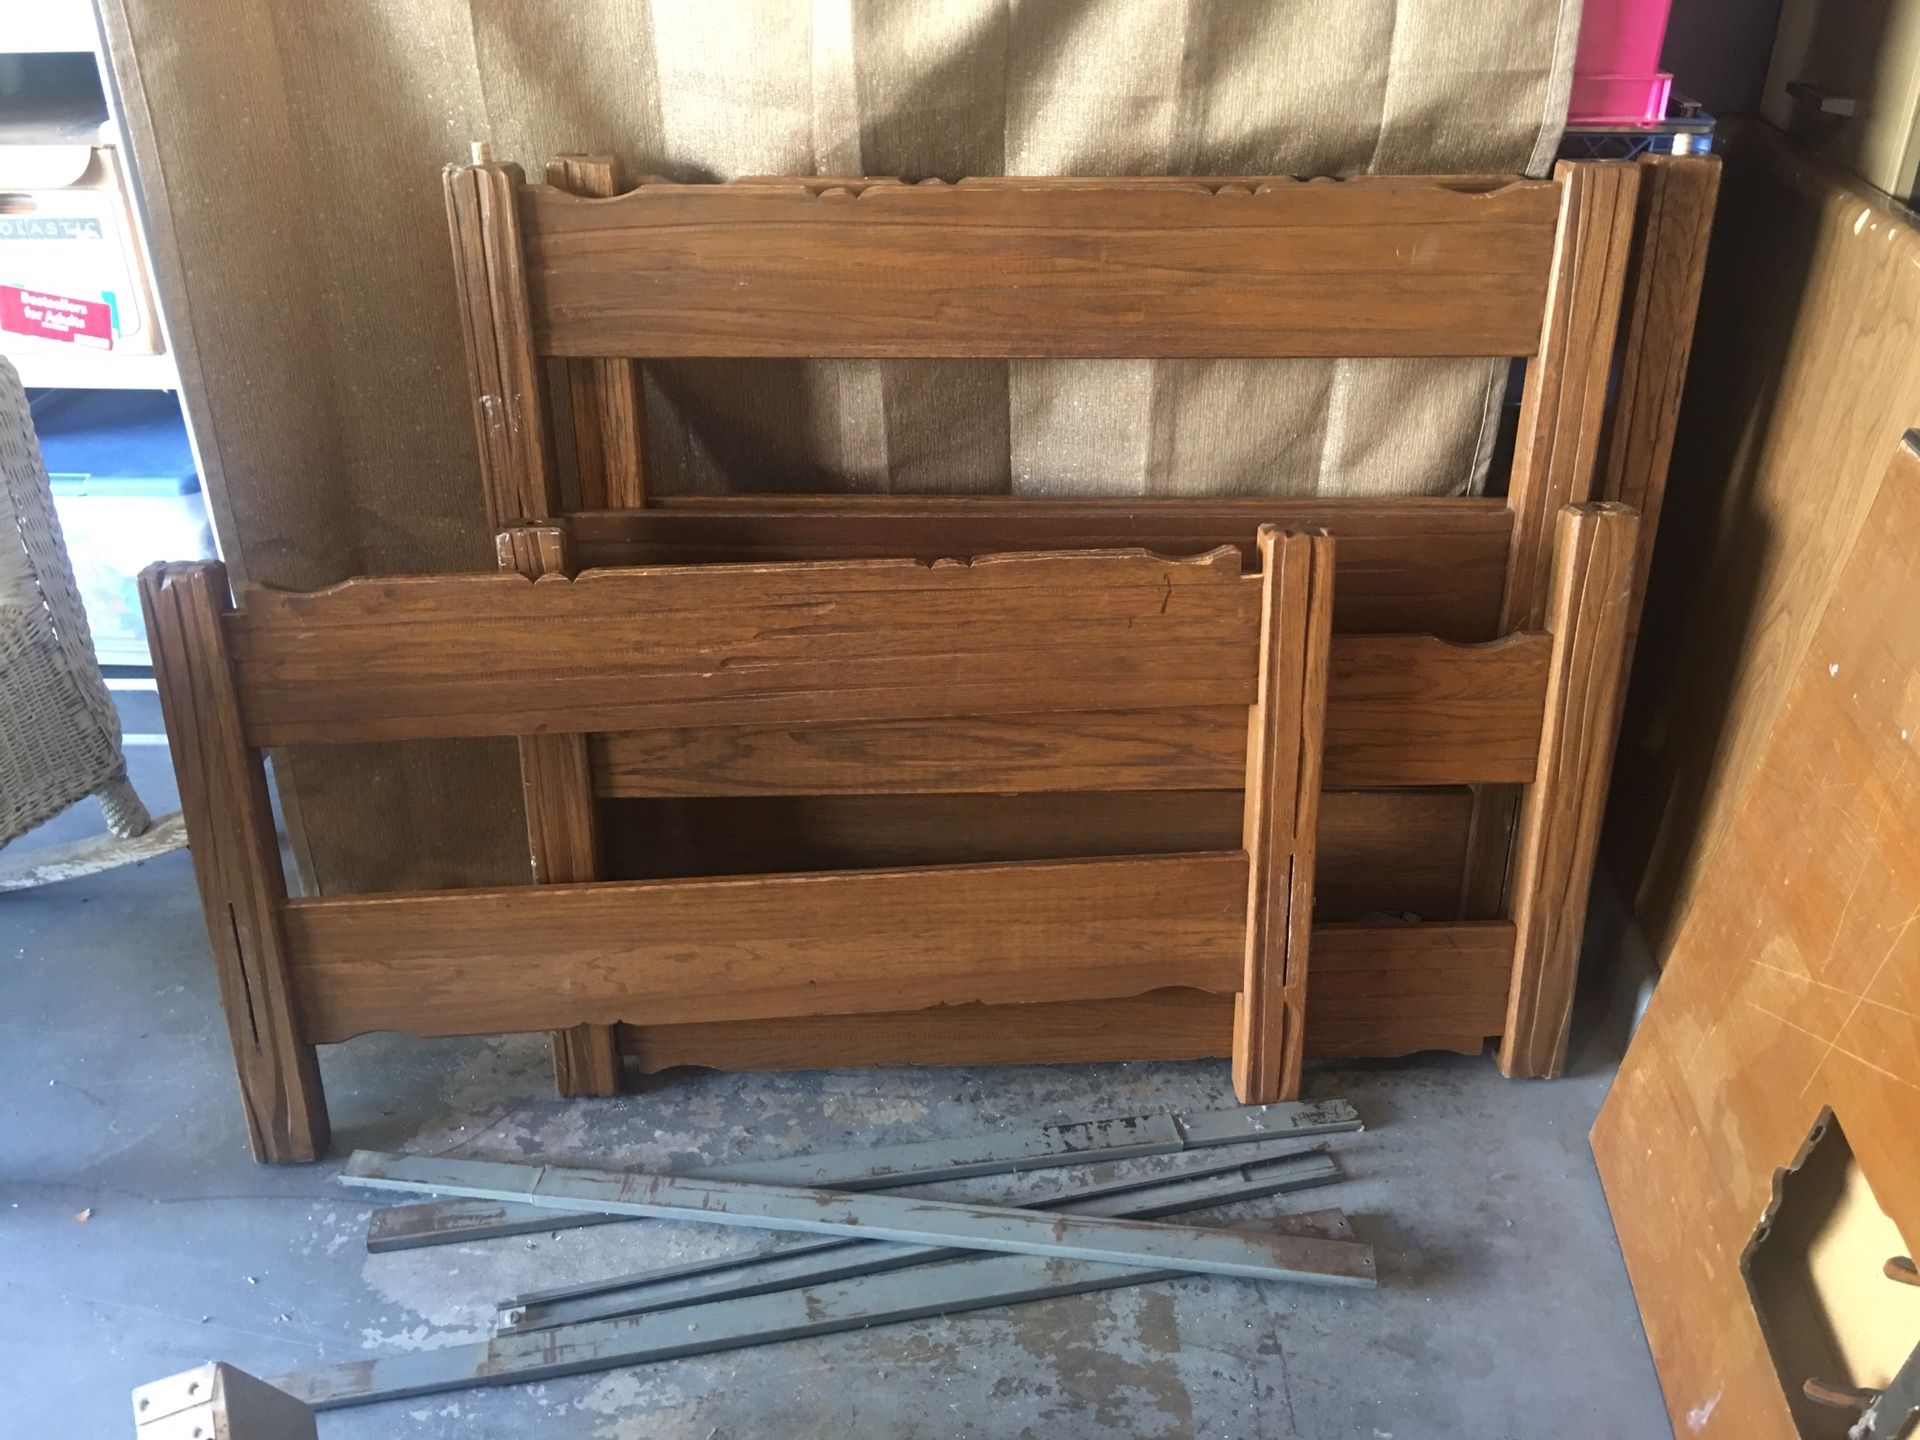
x=1590, y=599
x=1677, y=197
x=609, y=406
x=236, y=859
x=562, y=832
x=1284, y=730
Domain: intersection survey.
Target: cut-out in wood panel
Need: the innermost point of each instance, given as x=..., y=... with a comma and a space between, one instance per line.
x=1793, y=988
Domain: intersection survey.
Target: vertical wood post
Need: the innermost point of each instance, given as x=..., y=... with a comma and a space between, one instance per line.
x=1285, y=727
x=608, y=404
x=1558, y=448
x=236, y=858
x=1677, y=196
x=1558, y=835
x=517, y=469
x=563, y=840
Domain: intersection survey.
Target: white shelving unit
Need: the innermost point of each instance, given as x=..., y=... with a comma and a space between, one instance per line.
x=40, y=28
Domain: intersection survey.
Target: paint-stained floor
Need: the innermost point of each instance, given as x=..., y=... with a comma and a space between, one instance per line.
x=1503, y=1309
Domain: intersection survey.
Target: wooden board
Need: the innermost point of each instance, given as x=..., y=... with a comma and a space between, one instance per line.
x=1428, y=566
x=1558, y=834
x=1397, y=851
x=1794, y=985
x=431, y=964
x=1664, y=274
x=1557, y=451
x=1401, y=711
x=452, y=656
x=1371, y=992
x=563, y=831
x=1038, y=268
x=1281, y=818
x=236, y=861
x=1791, y=411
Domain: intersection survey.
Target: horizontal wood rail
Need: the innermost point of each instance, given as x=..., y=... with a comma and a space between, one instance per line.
x=1075, y=671
x=449, y=656
x=1434, y=566
x=1404, y=710
x=1372, y=990
x=1076, y=268
x=759, y=947
x=1391, y=851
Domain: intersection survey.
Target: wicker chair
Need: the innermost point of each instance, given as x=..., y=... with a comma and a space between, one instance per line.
x=59, y=732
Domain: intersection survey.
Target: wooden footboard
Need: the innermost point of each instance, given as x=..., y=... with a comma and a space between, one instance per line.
x=567, y=664
x=1007, y=680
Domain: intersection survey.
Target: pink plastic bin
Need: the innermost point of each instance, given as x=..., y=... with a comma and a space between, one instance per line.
x=1617, y=79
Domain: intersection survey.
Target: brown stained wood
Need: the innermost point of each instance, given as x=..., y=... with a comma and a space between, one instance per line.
x=517, y=468
x=1285, y=728
x=1412, y=710
x=1793, y=987
x=447, y=656
x=1664, y=274
x=1397, y=851
x=1381, y=990
x=1782, y=441
x=1042, y=268
x=988, y=754
x=724, y=949
x=1558, y=446
x=1558, y=833
x=1374, y=992
x=1562, y=407
x=1431, y=566
x=605, y=398
x=1401, y=711
x=236, y=860
x=563, y=843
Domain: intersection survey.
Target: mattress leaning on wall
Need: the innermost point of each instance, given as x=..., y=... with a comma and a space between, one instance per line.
x=301, y=254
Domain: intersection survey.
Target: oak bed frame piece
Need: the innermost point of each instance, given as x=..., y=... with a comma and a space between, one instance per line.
x=566, y=286
x=554, y=660
x=1064, y=661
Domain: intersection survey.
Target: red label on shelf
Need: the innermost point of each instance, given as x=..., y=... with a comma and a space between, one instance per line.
x=56, y=317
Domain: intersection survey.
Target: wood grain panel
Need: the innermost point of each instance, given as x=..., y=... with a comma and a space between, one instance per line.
x=1407, y=989
x=687, y=950
x=1401, y=711
x=517, y=468
x=236, y=861
x=605, y=398
x=986, y=754
x=1075, y=268
x=1664, y=275
x=563, y=839
x=1558, y=448
x=1285, y=729
x=451, y=656
x=1427, y=566
x=1393, y=851
x=1412, y=710
x=1385, y=990
x=1793, y=988
x=1806, y=371
x=1558, y=834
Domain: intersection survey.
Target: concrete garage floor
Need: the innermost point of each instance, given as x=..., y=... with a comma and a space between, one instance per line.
x=1503, y=1309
